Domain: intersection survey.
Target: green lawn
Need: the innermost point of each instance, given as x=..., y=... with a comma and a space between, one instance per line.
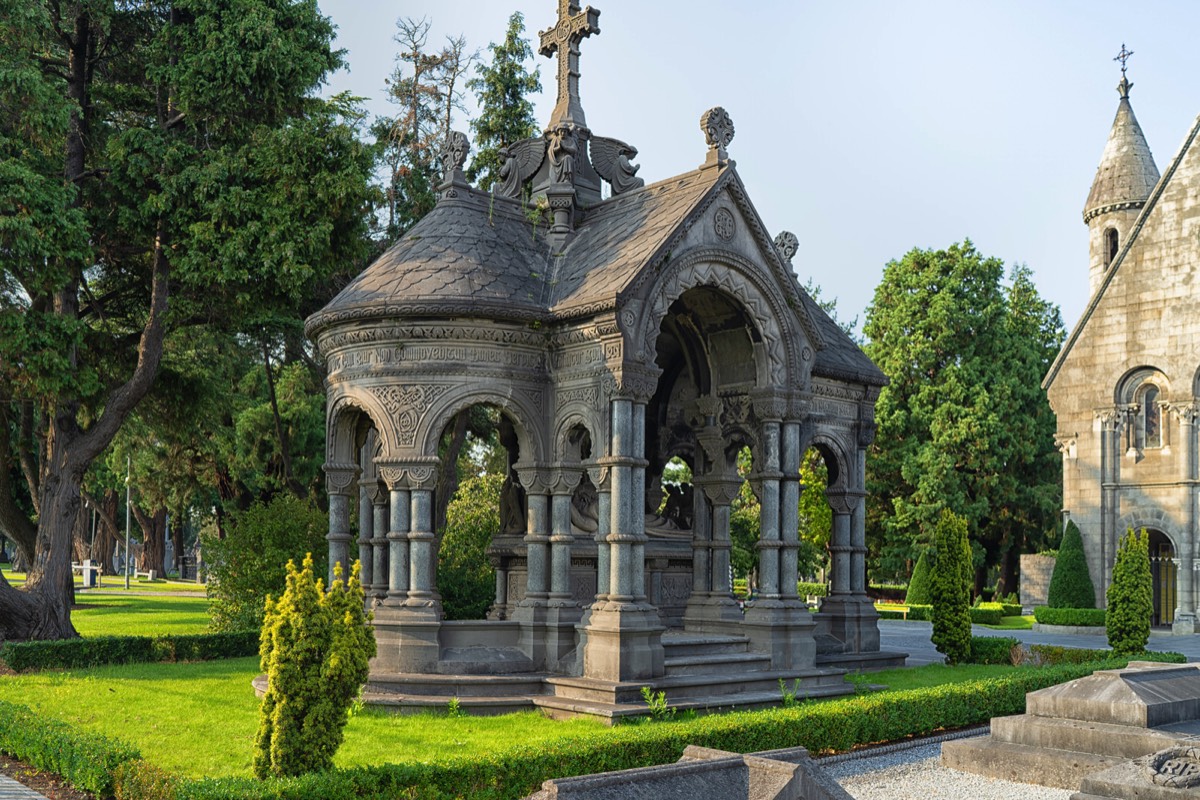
x=134, y=615
x=199, y=719
x=1013, y=624
x=117, y=582
x=933, y=675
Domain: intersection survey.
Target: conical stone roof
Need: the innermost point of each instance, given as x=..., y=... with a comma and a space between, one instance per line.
x=1127, y=173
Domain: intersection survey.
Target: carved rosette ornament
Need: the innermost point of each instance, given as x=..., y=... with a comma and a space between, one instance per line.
x=724, y=224
x=718, y=133
x=1175, y=767
x=787, y=244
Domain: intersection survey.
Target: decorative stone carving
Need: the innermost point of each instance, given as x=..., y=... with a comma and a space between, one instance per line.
x=718, y=128
x=562, y=149
x=787, y=244
x=454, y=155
x=419, y=474
x=724, y=224
x=1176, y=767
x=519, y=162
x=407, y=406
x=338, y=477
x=563, y=40
x=611, y=159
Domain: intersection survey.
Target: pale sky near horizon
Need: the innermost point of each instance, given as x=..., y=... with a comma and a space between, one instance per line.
x=865, y=127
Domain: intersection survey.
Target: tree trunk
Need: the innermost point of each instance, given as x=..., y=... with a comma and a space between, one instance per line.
x=447, y=483
x=285, y=447
x=154, y=540
x=177, y=536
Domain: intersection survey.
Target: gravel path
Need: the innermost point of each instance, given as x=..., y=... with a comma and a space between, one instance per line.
x=917, y=774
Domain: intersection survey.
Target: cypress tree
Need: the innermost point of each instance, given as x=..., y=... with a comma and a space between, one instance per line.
x=1071, y=584
x=1131, y=595
x=950, y=588
x=918, y=584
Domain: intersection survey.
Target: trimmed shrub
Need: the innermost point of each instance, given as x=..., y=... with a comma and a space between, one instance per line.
x=1131, y=595
x=1071, y=584
x=1012, y=609
x=1078, y=617
x=101, y=650
x=805, y=589
x=986, y=614
x=950, y=588
x=315, y=648
x=1053, y=655
x=918, y=585
x=993, y=649
x=248, y=564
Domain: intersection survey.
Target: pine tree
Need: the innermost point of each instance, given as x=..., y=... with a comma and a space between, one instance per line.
x=315, y=650
x=1071, y=584
x=918, y=585
x=1131, y=595
x=505, y=112
x=950, y=588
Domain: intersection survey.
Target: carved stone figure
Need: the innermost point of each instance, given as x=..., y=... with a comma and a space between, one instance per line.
x=611, y=159
x=521, y=160
x=563, y=147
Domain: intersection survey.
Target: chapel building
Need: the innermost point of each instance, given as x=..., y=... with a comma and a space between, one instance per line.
x=1125, y=386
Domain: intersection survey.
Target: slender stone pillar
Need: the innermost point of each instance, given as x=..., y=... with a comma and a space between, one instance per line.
x=500, y=600
x=789, y=512
x=770, y=541
x=338, y=481
x=422, y=542
x=379, y=544
x=622, y=533
x=701, y=542
x=1185, y=614
x=537, y=535
x=366, y=531
x=561, y=538
x=839, y=543
x=600, y=478
x=400, y=507
x=721, y=493
x=637, y=497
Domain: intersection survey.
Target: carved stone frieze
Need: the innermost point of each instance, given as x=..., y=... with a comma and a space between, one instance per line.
x=427, y=356
x=735, y=409
x=588, y=395
x=402, y=333
x=407, y=405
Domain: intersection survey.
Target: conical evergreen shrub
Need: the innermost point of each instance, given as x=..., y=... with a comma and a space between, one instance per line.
x=1071, y=584
x=950, y=588
x=1131, y=595
x=918, y=584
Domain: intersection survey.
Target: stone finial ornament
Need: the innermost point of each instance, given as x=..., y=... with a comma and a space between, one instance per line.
x=613, y=161
x=787, y=244
x=718, y=129
x=454, y=155
x=573, y=26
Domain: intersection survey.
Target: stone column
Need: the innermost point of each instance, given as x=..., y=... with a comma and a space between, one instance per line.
x=789, y=513
x=839, y=542
x=400, y=506
x=599, y=477
x=338, y=481
x=1185, y=614
x=769, y=542
x=499, y=607
x=638, y=498
x=422, y=542
x=366, y=531
x=564, y=482
x=537, y=534
x=380, y=579
x=1110, y=472
x=622, y=531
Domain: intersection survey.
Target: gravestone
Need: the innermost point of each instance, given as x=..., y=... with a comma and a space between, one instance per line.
x=788, y=774
x=1087, y=726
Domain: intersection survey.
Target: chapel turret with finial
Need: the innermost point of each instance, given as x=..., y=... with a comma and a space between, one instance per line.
x=1124, y=180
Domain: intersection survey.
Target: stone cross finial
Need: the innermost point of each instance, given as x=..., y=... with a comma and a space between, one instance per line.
x=1125, y=85
x=1123, y=56
x=718, y=132
x=574, y=25
x=454, y=154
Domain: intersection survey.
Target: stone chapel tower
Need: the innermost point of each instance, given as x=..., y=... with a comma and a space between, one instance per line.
x=1123, y=183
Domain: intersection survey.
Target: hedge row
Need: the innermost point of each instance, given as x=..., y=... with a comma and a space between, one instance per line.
x=104, y=766
x=1055, y=655
x=1080, y=617
x=100, y=650
x=805, y=589
x=994, y=649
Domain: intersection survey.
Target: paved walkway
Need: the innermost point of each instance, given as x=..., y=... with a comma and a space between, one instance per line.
x=913, y=638
x=11, y=790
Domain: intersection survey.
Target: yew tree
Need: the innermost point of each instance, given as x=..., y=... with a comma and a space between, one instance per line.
x=163, y=165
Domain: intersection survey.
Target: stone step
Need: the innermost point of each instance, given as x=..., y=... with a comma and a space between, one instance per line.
x=681, y=688
x=717, y=663
x=557, y=707
x=861, y=662
x=1117, y=741
x=462, y=686
x=1063, y=769
x=680, y=645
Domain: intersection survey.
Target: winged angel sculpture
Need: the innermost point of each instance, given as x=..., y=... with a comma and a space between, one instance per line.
x=613, y=160
x=521, y=160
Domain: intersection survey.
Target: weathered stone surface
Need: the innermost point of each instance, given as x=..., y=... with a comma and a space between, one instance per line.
x=1145, y=694
x=1142, y=779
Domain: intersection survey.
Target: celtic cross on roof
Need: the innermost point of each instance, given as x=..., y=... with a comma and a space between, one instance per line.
x=1124, y=86
x=574, y=25
x=1123, y=56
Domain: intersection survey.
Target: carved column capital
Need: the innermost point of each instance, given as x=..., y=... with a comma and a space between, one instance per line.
x=534, y=478
x=1188, y=412
x=719, y=491
x=600, y=476
x=769, y=406
x=339, y=477
x=844, y=501
x=635, y=383
x=413, y=474
x=564, y=480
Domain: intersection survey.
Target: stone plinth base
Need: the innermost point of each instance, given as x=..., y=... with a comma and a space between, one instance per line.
x=782, y=630
x=406, y=639
x=622, y=642
x=851, y=620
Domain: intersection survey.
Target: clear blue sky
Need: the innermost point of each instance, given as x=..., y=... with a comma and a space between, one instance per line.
x=865, y=127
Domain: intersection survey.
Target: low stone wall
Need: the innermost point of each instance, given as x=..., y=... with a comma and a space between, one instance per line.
x=1035, y=579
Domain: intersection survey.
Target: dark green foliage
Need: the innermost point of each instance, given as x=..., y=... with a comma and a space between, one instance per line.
x=249, y=563
x=1079, y=617
x=1012, y=609
x=888, y=592
x=502, y=90
x=466, y=578
x=1053, y=655
x=986, y=614
x=950, y=588
x=918, y=584
x=87, y=761
x=101, y=650
x=315, y=650
x=993, y=649
x=804, y=589
x=1071, y=584
x=963, y=423
x=1131, y=595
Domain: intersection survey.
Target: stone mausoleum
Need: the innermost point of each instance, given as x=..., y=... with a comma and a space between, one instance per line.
x=1126, y=384
x=615, y=326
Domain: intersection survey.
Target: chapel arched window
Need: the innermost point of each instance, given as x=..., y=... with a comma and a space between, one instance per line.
x=1111, y=245
x=1151, y=417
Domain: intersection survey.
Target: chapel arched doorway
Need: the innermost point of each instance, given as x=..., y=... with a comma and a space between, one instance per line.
x=1164, y=574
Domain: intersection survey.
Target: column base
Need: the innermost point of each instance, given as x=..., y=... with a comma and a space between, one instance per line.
x=407, y=640
x=1184, y=625
x=717, y=614
x=852, y=620
x=784, y=630
x=622, y=643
